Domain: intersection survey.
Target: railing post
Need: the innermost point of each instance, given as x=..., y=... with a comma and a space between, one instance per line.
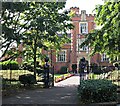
x=46, y=76
x=46, y=73
x=53, y=76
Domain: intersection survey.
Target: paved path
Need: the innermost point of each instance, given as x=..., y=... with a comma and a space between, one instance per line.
x=64, y=92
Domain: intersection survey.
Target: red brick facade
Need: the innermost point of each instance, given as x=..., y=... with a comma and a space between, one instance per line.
x=72, y=54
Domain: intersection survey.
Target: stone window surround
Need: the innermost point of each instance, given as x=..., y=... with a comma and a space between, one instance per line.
x=79, y=41
x=86, y=27
x=63, y=56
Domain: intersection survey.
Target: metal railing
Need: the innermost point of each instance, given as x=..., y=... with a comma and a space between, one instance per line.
x=97, y=72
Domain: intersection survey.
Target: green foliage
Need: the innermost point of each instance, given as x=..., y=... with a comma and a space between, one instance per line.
x=37, y=24
x=63, y=70
x=27, y=79
x=28, y=66
x=11, y=24
x=107, y=39
x=74, y=66
x=117, y=64
x=97, y=91
x=96, y=69
x=12, y=65
x=45, y=21
x=3, y=65
x=42, y=31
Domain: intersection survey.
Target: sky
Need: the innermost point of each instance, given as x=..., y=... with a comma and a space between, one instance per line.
x=88, y=5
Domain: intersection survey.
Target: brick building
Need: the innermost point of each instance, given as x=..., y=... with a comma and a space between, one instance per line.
x=71, y=53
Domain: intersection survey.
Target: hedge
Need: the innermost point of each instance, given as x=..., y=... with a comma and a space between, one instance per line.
x=63, y=70
x=27, y=79
x=99, y=90
x=12, y=65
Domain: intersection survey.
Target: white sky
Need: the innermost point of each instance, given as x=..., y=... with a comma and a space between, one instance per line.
x=88, y=5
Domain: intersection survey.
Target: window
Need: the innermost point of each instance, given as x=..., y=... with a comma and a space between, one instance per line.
x=79, y=42
x=61, y=57
x=104, y=57
x=83, y=27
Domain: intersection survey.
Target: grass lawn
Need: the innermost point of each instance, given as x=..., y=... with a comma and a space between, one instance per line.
x=14, y=74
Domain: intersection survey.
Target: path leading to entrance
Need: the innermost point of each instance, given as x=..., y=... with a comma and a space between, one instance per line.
x=64, y=92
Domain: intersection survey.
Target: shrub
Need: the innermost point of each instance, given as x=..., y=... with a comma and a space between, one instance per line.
x=74, y=68
x=97, y=91
x=39, y=71
x=63, y=70
x=0, y=65
x=12, y=65
x=27, y=79
x=96, y=69
x=5, y=83
x=28, y=66
x=4, y=65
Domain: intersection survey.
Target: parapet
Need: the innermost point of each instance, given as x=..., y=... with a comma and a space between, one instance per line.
x=75, y=9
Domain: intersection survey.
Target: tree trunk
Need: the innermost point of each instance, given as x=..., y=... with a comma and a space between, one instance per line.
x=34, y=63
x=35, y=50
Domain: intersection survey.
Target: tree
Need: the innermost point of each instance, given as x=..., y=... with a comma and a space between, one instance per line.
x=11, y=26
x=35, y=23
x=41, y=32
x=107, y=39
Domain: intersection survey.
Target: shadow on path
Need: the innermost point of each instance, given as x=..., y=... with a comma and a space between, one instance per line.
x=64, y=92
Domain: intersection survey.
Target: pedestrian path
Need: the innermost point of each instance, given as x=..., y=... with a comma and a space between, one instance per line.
x=72, y=81
x=64, y=92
